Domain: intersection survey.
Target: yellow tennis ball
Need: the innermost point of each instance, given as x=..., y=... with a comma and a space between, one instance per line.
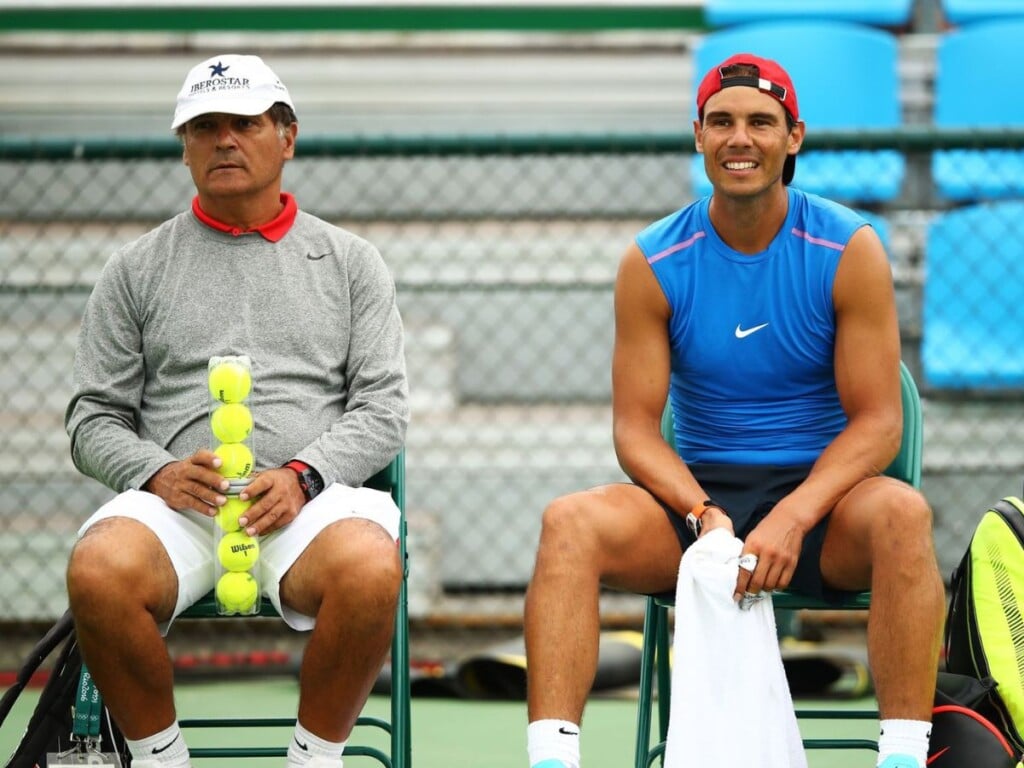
x=230, y=382
x=231, y=423
x=230, y=511
x=236, y=460
x=237, y=592
x=238, y=551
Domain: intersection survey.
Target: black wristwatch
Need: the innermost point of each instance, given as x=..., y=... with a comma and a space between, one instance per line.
x=309, y=479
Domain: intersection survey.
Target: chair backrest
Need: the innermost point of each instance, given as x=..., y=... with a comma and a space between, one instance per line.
x=846, y=76
x=970, y=11
x=969, y=62
x=907, y=464
x=885, y=13
x=969, y=93
x=973, y=318
x=392, y=480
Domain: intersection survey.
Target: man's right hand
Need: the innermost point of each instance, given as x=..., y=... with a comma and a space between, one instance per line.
x=191, y=483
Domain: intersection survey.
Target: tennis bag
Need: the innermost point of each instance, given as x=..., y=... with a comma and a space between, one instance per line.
x=985, y=620
x=68, y=713
x=960, y=736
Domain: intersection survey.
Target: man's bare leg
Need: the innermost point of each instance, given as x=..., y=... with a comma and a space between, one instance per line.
x=616, y=535
x=120, y=585
x=349, y=578
x=881, y=536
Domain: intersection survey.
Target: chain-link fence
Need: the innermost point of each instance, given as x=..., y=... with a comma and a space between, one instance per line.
x=504, y=251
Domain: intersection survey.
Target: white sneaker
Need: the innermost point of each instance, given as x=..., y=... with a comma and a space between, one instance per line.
x=147, y=763
x=318, y=761
x=892, y=761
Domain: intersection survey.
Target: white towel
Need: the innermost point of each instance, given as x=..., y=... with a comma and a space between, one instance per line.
x=731, y=705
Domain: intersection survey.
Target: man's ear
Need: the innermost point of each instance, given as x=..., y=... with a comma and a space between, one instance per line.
x=289, y=140
x=796, y=137
x=698, y=142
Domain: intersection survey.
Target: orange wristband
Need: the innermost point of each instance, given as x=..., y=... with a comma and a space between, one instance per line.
x=693, y=519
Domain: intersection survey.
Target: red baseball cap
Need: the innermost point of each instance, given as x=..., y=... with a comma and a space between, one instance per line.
x=771, y=79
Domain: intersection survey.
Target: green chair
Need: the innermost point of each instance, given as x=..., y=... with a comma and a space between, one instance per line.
x=392, y=480
x=654, y=665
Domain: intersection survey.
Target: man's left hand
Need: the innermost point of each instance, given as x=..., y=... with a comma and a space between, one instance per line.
x=776, y=542
x=277, y=500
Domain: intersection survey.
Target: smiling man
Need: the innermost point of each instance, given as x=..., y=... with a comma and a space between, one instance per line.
x=765, y=318
x=244, y=272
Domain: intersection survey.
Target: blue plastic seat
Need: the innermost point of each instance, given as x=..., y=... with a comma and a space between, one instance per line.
x=971, y=92
x=883, y=13
x=973, y=324
x=846, y=77
x=970, y=11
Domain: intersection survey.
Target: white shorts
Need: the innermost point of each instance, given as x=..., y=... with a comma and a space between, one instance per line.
x=188, y=538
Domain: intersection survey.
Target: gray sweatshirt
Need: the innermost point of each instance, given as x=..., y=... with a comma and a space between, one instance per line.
x=315, y=312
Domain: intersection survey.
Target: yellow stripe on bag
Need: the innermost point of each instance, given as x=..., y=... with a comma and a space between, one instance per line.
x=998, y=595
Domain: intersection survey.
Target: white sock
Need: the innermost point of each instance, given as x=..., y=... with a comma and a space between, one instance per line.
x=305, y=746
x=553, y=740
x=167, y=748
x=904, y=737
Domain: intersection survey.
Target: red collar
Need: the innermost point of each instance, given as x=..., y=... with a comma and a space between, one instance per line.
x=273, y=230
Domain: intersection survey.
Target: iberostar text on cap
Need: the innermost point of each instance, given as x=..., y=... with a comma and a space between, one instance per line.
x=231, y=84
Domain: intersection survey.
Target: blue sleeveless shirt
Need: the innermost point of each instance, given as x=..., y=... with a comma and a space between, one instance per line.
x=752, y=336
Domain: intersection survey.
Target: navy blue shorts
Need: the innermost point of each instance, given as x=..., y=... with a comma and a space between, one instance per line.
x=748, y=493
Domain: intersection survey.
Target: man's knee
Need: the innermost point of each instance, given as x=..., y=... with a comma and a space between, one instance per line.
x=898, y=522
x=359, y=558
x=565, y=519
x=119, y=562
x=570, y=536
x=86, y=573
x=903, y=515
x=383, y=573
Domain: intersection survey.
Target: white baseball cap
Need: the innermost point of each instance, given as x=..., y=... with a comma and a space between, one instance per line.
x=232, y=84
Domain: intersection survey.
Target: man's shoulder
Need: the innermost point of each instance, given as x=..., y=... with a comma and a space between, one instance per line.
x=672, y=229
x=686, y=213
x=310, y=226
x=151, y=242
x=823, y=208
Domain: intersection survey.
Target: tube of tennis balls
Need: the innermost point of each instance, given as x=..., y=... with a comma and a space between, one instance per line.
x=236, y=554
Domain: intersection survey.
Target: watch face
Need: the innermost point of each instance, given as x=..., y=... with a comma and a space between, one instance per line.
x=312, y=482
